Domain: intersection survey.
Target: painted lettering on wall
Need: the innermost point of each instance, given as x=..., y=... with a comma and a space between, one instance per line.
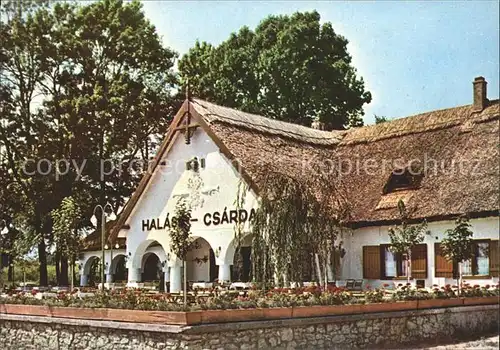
x=216, y=218
x=228, y=217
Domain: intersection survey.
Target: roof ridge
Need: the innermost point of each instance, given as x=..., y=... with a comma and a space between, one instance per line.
x=268, y=125
x=198, y=100
x=351, y=138
x=368, y=133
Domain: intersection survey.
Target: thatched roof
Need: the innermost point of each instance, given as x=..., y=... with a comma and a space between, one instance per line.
x=217, y=114
x=462, y=144
x=92, y=241
x=435, y=120
x=461, y=176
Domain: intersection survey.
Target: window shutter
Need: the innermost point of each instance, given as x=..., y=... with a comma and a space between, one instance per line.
x=444, y=268
x=494, y=259
x=371, y=262
x=419, y=261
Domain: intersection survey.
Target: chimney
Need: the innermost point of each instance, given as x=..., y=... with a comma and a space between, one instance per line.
x=480, y=100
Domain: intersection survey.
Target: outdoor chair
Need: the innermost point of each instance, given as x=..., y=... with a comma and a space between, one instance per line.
x=349, y=284
x=358, y=285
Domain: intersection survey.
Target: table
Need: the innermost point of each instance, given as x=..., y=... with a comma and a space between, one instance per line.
x=240, y=285
x=202, y=285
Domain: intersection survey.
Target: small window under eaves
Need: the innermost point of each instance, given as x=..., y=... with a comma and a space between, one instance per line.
x=403, y=180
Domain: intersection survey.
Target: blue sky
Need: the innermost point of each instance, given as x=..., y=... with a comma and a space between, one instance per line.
x=414, y=56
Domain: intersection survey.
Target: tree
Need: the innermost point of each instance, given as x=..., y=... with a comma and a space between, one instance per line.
x=180, y=236
x=291, y=68
x=405, y=236
x=457, y=245
x=297, y=224
x=379, y=119
x=21, y=128
x=85, y=89
x=66, y=223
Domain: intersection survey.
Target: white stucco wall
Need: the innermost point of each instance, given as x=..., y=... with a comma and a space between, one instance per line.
x=220, y=184
x=352, y=263
x=218, y=192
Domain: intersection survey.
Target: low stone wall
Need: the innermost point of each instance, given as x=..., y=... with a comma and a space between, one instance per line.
x=335, y=332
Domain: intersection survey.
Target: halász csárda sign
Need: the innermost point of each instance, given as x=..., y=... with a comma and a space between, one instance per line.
x=216, y=218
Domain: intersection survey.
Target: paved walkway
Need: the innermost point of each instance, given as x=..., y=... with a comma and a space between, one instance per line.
x=492, y=342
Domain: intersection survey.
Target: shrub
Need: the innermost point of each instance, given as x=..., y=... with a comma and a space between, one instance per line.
x=375, y=295
x=405, y=293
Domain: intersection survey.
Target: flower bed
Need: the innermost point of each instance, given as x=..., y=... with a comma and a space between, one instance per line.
x=132, y=305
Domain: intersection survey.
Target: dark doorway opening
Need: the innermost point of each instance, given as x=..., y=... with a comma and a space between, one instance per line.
x=152, y=270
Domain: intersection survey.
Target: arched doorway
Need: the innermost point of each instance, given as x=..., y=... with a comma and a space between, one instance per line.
x=201, y=262
x=93, y=270
x=241, y=270
x=151, y=268
x=119, y=269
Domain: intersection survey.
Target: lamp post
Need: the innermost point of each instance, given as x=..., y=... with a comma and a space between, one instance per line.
x=104, y=215
x=4, y=231
x=117, y=246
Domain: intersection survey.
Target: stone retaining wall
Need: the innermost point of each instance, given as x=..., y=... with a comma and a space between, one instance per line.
x=336, y=332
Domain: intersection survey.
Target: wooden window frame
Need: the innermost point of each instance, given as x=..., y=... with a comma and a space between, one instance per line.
x=473, y=261
x=475, y=243
x=399, y=265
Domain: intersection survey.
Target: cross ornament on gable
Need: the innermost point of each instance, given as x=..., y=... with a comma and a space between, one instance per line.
x=186, y=126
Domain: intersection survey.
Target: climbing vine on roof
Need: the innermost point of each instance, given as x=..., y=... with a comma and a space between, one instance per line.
x=296, y=226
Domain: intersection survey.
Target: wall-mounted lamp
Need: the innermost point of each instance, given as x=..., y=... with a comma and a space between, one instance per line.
x=217, y=252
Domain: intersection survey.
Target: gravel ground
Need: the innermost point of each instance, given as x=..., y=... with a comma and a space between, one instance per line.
x=490, y=342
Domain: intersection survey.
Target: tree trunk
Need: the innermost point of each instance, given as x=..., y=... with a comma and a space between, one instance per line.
x=185, y=281
x=10, y=272
x=1, y=271
x=318, y=270
x=57, y=259
x=72, y=273
x=42, y=259
x=408, y=267
x=64, y=271
x=325, y=274
x=459, y=279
